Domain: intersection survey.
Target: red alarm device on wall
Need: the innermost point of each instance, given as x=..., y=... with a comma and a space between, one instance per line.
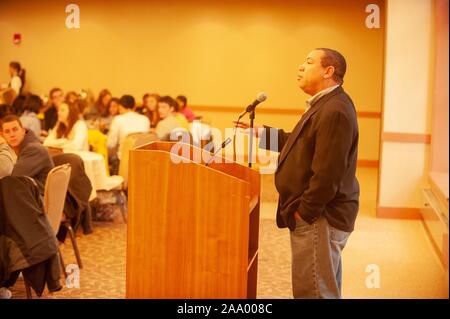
x=17, y=38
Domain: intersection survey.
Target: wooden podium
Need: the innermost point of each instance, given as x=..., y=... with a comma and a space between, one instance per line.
x=192, y=229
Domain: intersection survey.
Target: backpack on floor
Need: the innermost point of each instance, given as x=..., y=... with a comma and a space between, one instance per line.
x=109, y=205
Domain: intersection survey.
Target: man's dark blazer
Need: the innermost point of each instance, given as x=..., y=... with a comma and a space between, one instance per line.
x=316, y=167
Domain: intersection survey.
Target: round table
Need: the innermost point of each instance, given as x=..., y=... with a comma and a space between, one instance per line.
x=94, y=166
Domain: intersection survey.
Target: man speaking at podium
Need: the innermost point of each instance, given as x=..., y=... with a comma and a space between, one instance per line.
x=315, y=177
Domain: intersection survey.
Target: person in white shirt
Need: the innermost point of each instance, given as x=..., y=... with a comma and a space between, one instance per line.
x=70, y=132
x=126, y=123
x=17, y=77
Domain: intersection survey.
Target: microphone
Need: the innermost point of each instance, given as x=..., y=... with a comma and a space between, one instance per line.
x=224, y=144
x=261, y=97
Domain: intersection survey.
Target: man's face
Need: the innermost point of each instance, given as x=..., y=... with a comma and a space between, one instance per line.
x=311, y=74
x=164, y=110
x=13, y=133
x=57, y=98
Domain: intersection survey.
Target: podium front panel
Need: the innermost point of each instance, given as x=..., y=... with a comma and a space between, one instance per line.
x=188, y=229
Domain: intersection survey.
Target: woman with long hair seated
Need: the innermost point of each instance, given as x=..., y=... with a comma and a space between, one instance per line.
x=112, y=111
x=93, y=113
x=149, y=108
x=70, y=132
x=152, y=106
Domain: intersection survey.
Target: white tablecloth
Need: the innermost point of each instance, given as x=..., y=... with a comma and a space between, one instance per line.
x=94, y=166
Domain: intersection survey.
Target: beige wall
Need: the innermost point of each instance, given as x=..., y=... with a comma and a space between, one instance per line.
x=440, y=125
x=408, y=66
x=408, y=91
x=217, y=54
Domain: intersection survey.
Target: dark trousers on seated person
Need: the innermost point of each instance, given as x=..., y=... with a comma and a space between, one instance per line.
x=114, y=164
x=316, y=259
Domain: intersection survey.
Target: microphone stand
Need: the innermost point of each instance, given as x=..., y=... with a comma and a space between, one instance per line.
x=250, y=150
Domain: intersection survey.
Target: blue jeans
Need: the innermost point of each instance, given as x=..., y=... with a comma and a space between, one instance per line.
x=316, y=259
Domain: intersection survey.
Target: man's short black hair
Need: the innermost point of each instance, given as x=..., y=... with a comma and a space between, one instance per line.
x=169, y=100
x=335, y=59
x=127, y=101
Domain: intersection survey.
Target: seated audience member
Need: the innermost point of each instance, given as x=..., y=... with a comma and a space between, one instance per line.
x=33, y=159
x=81, y=105
x=18, y=104
x=112, y=111
x=143, y=109
x=88, y=99
x=149, y=108
x=93, y=113
x=152, y=106
x=184, y=108
x=51, y=112
x=7, y=158
x=70, y=132
x=29, y=116
x=170, y=118
x=7, y=96
x=124, y=124
x=71, y=97
x=5, y=110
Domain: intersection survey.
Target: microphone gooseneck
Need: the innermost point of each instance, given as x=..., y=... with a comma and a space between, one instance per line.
x=261, y=97
x=224, y=144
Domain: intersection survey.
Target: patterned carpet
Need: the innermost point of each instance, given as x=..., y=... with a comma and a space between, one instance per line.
x=409, y=268
x=103, y=256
